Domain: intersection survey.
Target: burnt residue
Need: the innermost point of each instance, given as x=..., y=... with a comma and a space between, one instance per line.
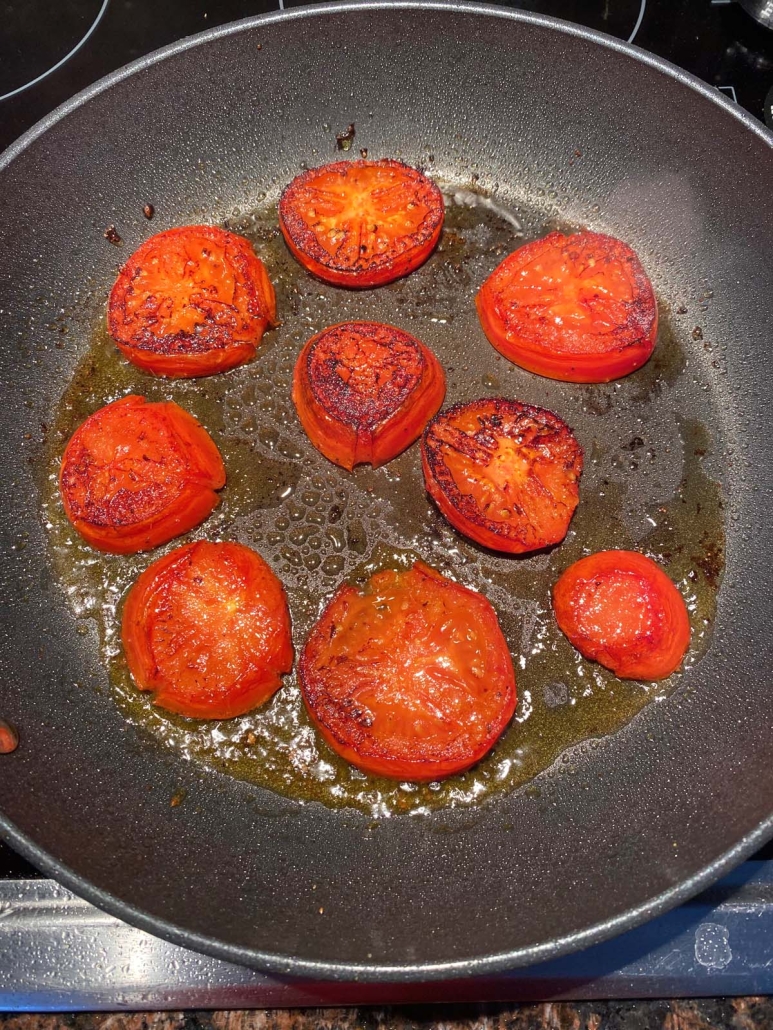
x=148, y=210
x=650, y=483
x=345, y=139
x=111, y=235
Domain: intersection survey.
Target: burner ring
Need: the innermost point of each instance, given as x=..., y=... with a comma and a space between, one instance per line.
x=639, y=20
x=63, y=60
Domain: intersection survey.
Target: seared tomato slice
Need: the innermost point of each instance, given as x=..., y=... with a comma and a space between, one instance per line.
x=620, y=609
x=503, y=473
x=578, y=308
x=207, y=628
x=409, y=677
x=365, y=391
x=134, y=475
x=191, y=302
x=361, y=223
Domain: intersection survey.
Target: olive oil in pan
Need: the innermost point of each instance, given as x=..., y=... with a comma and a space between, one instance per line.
x=644, y=487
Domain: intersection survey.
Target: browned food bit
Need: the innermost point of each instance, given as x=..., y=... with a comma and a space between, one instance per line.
x=111, y=235
x=344, y=140
x=148, y=210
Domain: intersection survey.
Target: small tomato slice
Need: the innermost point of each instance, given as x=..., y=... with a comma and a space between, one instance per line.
x=410, y=677
x=207, y=628
x=364, y=391
x=620, y=609
x=361, y=223
x=503, y=473
x=191, y=302
x=135, y=475
x=578, y=308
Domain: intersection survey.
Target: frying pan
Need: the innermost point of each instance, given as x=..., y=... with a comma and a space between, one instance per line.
x=544, y=117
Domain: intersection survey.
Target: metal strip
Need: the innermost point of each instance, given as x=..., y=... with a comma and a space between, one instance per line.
x=58, y=953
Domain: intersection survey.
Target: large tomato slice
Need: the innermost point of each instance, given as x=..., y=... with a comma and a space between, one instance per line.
x=578, y=308
x=365, y=391
x=361, y=223
x=207, y=628
x=190, y=302
x=620, y=609
x=503, y=473
x=134, y=475
x=409, y=677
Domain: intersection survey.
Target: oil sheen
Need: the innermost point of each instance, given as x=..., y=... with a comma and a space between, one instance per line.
x=650, y=484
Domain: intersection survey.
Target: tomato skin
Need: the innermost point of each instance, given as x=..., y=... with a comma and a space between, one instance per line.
x=576, y=308
x=410, y=677
x=207, y=629
x=365, y=391
x=505, y=474
x=620, y=609
x=190, y=302
x=349, y=223
x=135, y=475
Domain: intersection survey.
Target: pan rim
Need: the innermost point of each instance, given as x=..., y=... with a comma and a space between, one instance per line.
x=340, y=6
x=365, y=972
x=375, y=973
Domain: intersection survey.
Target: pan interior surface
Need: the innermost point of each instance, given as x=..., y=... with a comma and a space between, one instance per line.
x=527, y=127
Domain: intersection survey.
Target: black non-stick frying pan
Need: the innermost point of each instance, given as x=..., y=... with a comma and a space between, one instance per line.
x=555, y=126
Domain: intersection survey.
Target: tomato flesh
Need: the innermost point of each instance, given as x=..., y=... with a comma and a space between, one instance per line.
x=503, y=473
x=207, y=629
x=578, y=308
x=190, y=302
x=364, y=391
x=361, y=223
x=620, y=609
x=410, y=677
x=135, y=475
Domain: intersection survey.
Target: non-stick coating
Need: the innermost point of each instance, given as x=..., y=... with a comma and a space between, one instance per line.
x=648, y=815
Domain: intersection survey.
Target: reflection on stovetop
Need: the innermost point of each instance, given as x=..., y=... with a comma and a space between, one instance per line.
x=714, y=39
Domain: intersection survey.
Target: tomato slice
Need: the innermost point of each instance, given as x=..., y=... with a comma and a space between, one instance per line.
x=503, y=473
x=191, y=302
x=409, y=677
x=361, y=223
x=620, y=609
x=134, y=475
x=207, y=628
x=578, y=308
x=364, y=391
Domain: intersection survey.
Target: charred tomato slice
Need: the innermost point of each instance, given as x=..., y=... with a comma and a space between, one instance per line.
x=620, y=609
x=578, y=308
x=409, y=677
x=361, y=223
x=190, y=302
x=365, y=391
x=503, y=473
x=134, y=475
x=207, y=629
